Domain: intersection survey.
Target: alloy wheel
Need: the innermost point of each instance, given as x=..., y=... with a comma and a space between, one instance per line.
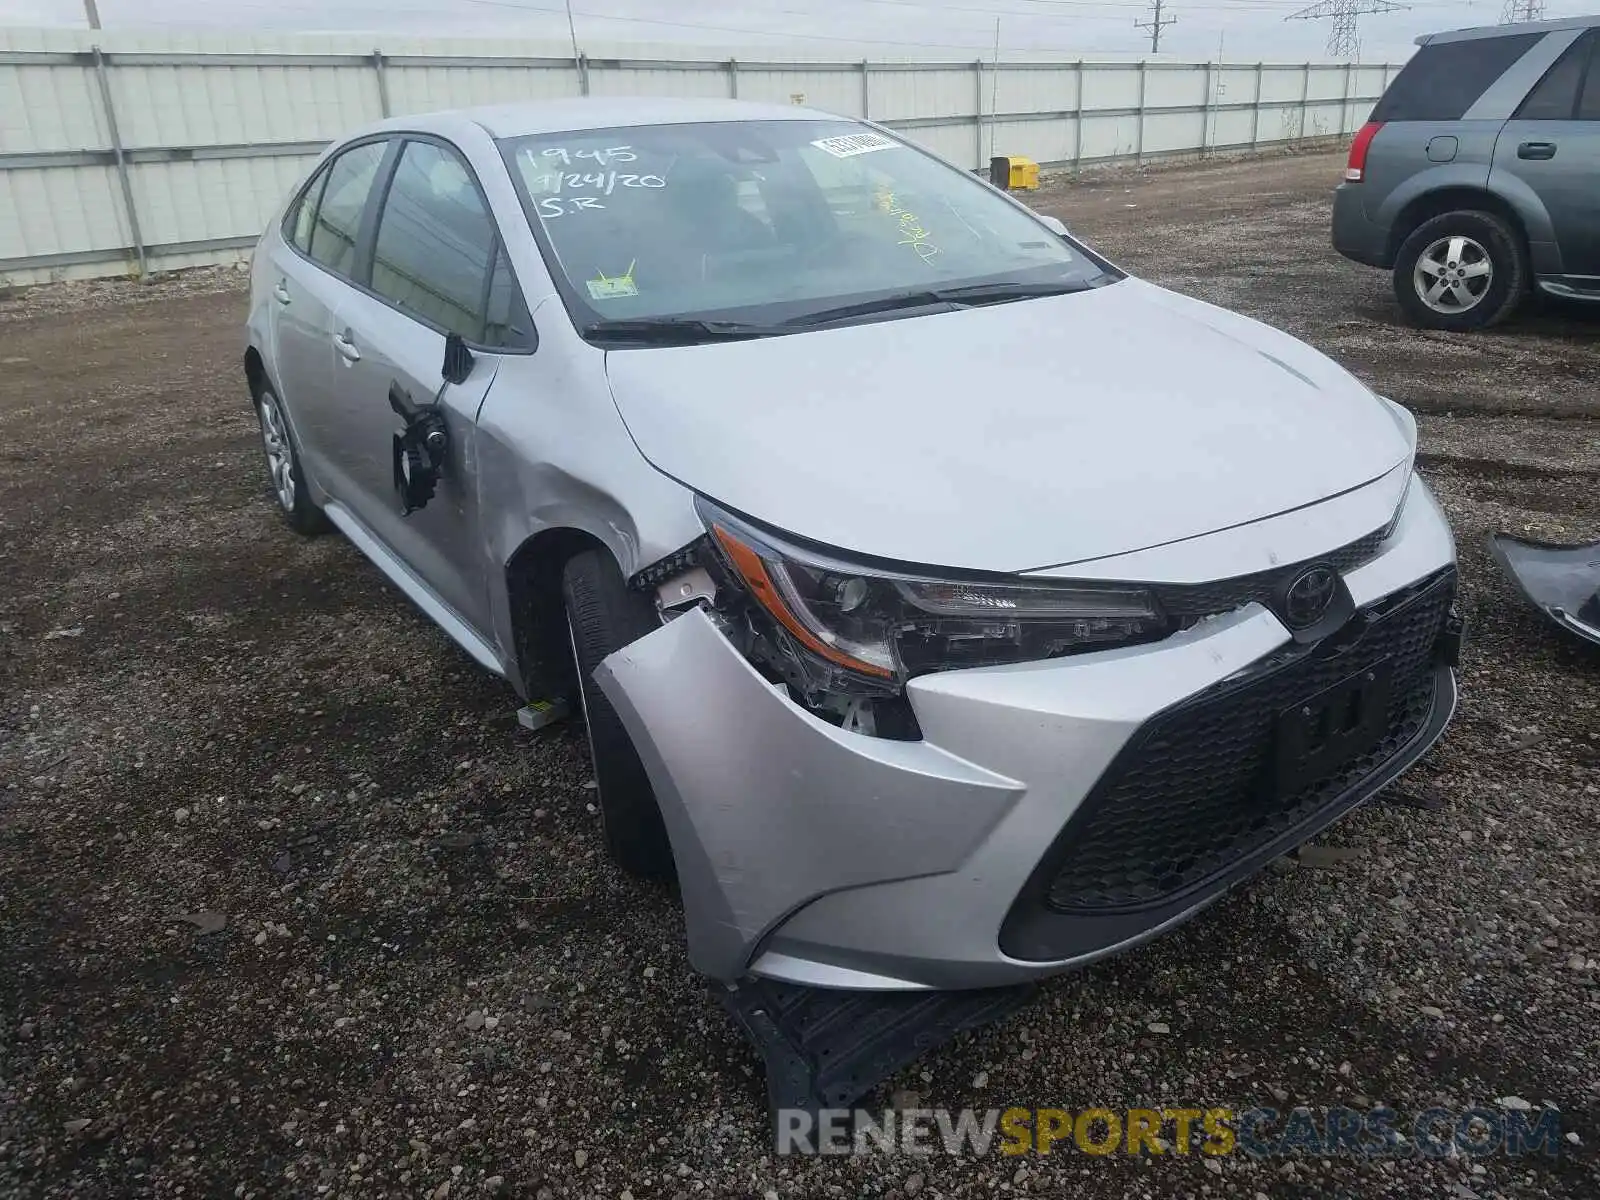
x=280, y=457
x=1453, y=274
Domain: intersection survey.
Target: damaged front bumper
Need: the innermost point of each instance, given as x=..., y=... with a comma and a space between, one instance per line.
x=1053, y=812
x=1562, y=582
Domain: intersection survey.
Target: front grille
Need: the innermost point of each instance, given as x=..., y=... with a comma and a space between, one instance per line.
x=1189, y=602
x=1190, y=795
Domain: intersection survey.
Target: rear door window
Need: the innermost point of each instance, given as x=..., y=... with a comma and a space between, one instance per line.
x=1444, y=79
x=1555, y=97
x=344, y=199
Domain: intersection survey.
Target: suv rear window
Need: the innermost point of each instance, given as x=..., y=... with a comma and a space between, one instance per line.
x=1444, y=79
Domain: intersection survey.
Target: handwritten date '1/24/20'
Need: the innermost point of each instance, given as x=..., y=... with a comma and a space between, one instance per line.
x=604, y=183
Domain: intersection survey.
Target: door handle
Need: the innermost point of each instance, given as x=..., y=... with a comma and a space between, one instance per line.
x=1536, y=150
x=281, y=292
x=346, y=347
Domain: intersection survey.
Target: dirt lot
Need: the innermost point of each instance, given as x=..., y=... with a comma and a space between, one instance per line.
x=206, y=718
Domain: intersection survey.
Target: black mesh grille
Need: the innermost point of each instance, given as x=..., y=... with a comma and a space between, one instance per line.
x=1188, y=602
x=1190, y=795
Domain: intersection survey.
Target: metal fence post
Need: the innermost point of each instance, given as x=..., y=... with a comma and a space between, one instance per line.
x=1205, y=115
x=383, y=83
x=866, y=91
x=1077, y=141
x=977, y=66
x=733, y=79
x=583, y=73
x=1255, y=111
x=122, y=162
x=1138, y=118
x=1305, y=96
x=1344, y=105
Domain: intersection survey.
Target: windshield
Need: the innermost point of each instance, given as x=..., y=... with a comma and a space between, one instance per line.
x=767, y=221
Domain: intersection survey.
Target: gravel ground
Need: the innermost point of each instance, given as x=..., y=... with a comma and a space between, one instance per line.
x=289, y=905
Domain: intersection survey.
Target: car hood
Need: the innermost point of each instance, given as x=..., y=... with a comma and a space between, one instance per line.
x=1014, y=436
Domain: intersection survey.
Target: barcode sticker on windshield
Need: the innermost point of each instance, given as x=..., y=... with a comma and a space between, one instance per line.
x=850, y=144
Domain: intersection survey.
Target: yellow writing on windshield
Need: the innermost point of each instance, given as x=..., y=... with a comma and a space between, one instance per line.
x=910, y=227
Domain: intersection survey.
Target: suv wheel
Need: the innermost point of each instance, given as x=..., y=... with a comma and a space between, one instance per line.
x=1461, y=271
x=602, y=616
x=283, y=466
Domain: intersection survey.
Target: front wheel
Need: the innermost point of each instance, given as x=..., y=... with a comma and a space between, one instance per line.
x=603, y=616
x=1461, y=271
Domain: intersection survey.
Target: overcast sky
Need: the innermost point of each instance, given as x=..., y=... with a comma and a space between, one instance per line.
x=1247, y=29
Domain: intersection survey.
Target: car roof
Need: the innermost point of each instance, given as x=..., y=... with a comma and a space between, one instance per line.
x=603, y=112
x=1490, y=31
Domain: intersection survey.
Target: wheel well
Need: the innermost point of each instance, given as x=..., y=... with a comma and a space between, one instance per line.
x=1434, y=204
x=533, y=590
x=255, y=370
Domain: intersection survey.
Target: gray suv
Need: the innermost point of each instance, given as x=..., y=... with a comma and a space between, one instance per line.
x=1478, y=176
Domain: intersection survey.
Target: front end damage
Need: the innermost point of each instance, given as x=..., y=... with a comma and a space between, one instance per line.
x=955, y=833
x=1562, y=582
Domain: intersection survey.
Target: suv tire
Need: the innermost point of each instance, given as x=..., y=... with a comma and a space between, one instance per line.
x=285, y=477
x=603, y=616
x=1438, y=271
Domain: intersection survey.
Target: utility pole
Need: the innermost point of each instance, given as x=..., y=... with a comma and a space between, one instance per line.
x=1517, y=11
x=1156, y=24
x=1342, y=40
x=92, y=11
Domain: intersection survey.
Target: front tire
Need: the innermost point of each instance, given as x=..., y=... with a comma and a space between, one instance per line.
x=1461, y=271
x=603, y=616
x=286, y=479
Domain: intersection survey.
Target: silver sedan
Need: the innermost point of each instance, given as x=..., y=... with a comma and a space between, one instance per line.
x=946, y=607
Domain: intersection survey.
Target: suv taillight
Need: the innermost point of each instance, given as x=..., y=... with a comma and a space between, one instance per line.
x=1356, y=169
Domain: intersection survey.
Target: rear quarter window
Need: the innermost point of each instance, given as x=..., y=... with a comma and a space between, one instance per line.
x=1444, y=79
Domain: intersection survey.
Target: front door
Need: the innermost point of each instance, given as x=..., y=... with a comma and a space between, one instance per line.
x=1552, y=145
x=436, y=268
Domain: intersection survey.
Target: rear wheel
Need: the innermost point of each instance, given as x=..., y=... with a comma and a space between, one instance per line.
x=603, y=616
x=286, y=479
x=1461, y=271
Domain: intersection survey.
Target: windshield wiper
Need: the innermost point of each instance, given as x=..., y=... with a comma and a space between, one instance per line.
x=676, y=331
x=966, y=294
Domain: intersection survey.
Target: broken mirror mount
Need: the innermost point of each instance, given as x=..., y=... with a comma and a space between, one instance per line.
x=419, y=449
x=1562, y=582
x=424, y=440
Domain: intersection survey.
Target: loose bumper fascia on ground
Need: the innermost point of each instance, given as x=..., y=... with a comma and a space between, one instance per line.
x=1562, y=582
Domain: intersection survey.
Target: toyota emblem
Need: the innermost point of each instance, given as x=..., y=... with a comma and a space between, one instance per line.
x=1307, y=599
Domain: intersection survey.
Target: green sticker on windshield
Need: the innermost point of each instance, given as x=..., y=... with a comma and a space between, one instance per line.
x=613, y=287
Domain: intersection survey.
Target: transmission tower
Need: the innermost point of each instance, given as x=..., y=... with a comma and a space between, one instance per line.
x=1342, y=40
x=1157, y=23
x=1522, y=10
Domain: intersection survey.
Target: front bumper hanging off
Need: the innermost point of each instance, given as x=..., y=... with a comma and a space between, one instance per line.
x=1046, y=816
x=1562, y=582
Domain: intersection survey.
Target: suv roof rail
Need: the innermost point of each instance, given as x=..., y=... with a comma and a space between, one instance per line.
x=1489, y=31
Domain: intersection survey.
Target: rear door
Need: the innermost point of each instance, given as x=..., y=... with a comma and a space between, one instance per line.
x=1551, y=148
x=436, y=267
x=311, y=269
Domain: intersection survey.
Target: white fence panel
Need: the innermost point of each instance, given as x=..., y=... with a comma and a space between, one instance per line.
x=129, y=151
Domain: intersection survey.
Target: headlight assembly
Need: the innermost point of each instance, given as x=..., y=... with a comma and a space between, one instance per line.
x=862, y=629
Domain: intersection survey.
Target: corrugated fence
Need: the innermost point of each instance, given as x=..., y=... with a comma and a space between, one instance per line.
x=122, y=157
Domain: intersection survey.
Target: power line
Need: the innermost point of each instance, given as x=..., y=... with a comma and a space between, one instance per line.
x=1155, y=25
x=1517, y=11
x=1342, y=39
